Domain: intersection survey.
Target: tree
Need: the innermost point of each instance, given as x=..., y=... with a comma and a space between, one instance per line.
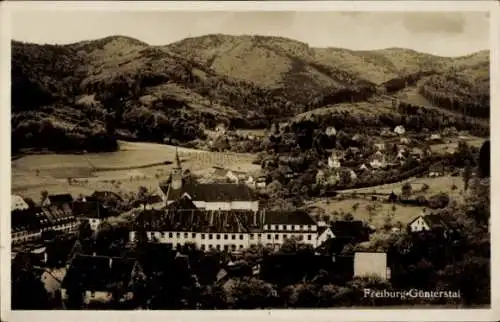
x=466, y=175
x=252, y=293
x=484, y=159
x=84, y=231
x=44, y=194
x=406, y=190
x=28, y=291
x=143, y=196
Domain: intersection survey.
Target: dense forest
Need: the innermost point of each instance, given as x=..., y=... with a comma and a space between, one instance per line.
x=90, y=94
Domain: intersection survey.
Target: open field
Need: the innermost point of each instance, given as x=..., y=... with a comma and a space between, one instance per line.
x=358, y=208
x=451, y=147
x=436, y=185
x=134, y=165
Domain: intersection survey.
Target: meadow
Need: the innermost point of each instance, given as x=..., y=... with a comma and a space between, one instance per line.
x=135, y=164
x=360, y=207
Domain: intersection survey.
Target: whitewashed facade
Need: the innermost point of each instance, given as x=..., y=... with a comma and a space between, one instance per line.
x=17, y=203
x=419, y=224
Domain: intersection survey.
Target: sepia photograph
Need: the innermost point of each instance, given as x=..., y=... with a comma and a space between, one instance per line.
x=229, y=159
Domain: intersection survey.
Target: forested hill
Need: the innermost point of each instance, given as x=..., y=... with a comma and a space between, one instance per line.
x=85, y=93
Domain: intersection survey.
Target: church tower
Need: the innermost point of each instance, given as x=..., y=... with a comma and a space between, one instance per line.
x=176, y=173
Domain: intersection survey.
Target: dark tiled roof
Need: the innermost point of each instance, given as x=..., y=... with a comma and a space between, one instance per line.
x=29, y=219
x=98, y=273
x=60, y=199
x=213, y=192
x=155, y=199
x=297, y=217
x=223, y=221
x=347, y=228
x=321, y=230
x=197, y=220
x=89, y=209
x=106, y=195
x=59, y=214
x=435, y=221
x=182, y=203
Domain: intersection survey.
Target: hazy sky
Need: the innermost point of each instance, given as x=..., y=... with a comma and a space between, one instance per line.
x=440, y=33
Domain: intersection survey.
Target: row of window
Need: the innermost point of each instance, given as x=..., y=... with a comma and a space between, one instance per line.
x=228, y=236
x=286, y=227
x=66, y=228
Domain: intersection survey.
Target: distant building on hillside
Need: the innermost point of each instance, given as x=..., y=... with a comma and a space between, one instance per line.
x=432, y=222
x=334, y=160
x=221, y=129
x=331, y=131
x=399, y=130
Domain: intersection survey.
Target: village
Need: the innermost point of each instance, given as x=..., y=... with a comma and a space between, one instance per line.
x=88, y=251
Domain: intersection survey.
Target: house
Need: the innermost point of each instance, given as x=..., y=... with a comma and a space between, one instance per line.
x=400, y=156
x=28, y=224
x=90, y=211
x=220, y=128
x=350, y=231
x=320, y=177
x=363, y=167
x=61, y=218
x=104, y=197
x=386, y=132
x=324, y=234
x=331, y=131
x=432, y=222
x=404, y=140
x=236, y=176
x=378, y=160
x=278, y=226
x=357, y=137
x=380, y=146
x=59, y=199
x=36, y=252
x=251, y=181
x=371, y=264
x=334, y=161
x=417, y=153
x=352, y=175
x=100, y=278
x=435, y=137
x=18, y=203
x=262, y=182
x=333, y=178
x=215, y=196
x=225, y=230
x=353, y=152
x=399, y=130
x=232, y=176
